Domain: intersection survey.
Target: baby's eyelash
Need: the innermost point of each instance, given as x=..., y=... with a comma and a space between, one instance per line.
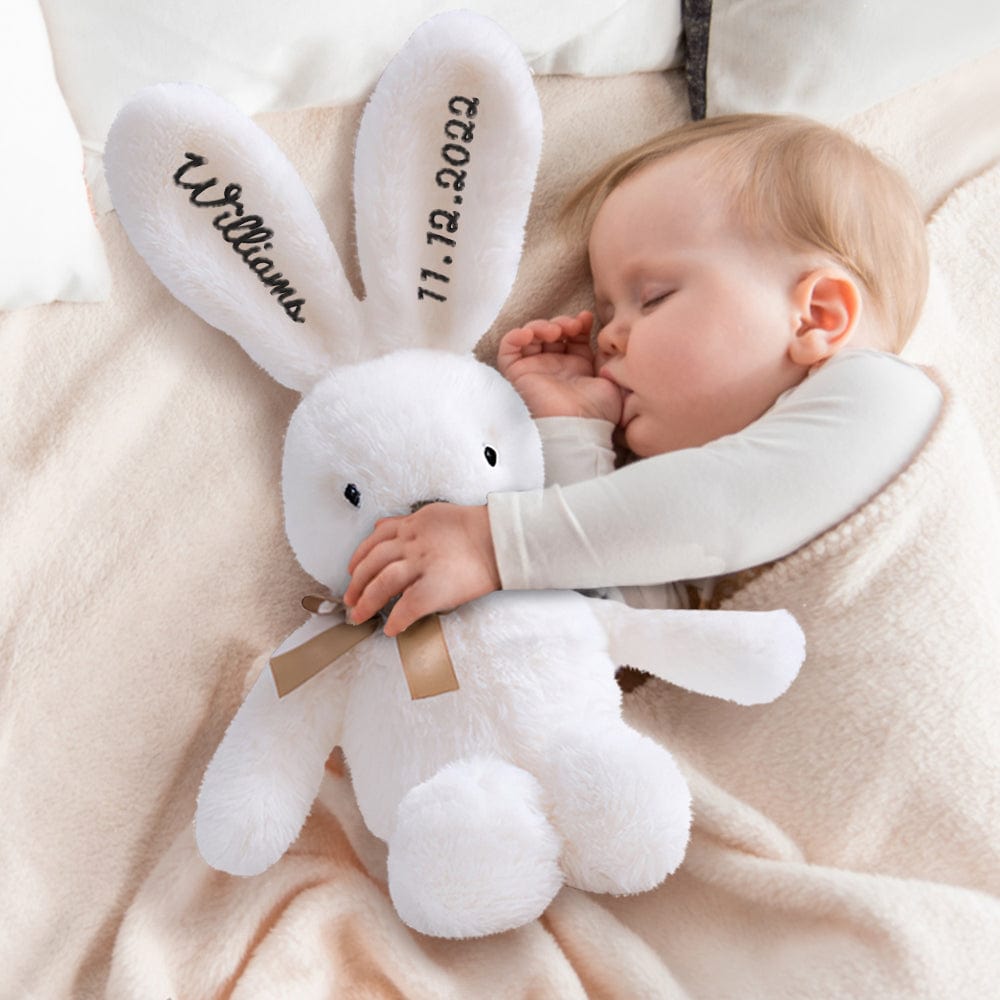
x=656, y=299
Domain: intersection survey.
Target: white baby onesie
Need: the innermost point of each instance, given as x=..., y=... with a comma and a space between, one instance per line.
x=824, y=448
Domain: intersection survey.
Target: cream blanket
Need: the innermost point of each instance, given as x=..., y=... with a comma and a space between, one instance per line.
x=144, y=577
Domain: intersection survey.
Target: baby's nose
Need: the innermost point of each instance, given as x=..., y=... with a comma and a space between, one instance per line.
x=612, y=337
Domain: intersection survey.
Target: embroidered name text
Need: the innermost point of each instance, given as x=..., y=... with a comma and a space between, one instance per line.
x=246, y=234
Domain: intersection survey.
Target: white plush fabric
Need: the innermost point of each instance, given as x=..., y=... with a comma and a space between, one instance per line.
x=50, y=248
x=832, y=60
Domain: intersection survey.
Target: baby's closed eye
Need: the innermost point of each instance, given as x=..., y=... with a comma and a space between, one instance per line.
x=653, y=300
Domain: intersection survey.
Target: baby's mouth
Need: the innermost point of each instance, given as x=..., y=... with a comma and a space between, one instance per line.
x=625, y=417
x=625, y=394
x=624, y=390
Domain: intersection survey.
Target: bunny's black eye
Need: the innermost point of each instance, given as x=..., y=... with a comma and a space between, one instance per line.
x=491, y=455
x=352, y=494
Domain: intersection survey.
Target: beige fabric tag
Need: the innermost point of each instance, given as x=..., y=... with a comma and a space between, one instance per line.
x=292, y=669
x=425, y=658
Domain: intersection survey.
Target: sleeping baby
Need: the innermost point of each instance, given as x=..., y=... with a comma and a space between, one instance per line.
x=754, y=277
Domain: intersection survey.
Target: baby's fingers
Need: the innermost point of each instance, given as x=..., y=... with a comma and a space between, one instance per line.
x=564, y=333
x=389, y=583
x=586, y=320
x=561, y=335
x=415, y=603
x=370, y=566
x=385, y=528
x=575, y=326
x=521, y=342
x=540, y=334
x=541, y=331
x=577, y=329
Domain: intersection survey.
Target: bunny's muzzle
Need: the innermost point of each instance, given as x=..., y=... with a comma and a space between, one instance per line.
x=414, y=507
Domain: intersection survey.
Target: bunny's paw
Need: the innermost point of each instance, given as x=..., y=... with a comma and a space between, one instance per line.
x=247, y=817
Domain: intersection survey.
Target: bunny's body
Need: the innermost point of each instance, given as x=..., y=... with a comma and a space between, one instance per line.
x=519, y=655
x=491, y=796
x=500, y=768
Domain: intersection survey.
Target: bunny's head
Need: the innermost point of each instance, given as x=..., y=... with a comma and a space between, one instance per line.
x=387, y=436
x=396, y=412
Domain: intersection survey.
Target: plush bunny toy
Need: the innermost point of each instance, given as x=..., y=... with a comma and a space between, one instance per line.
x=493, y=794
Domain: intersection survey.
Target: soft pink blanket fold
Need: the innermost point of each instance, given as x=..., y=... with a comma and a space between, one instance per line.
x=144, y=578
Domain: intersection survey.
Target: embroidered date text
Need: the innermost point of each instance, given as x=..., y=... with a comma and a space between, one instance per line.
x=443, y=223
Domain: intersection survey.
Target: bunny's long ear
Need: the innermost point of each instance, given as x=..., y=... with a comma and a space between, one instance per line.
x=224, y=221
x=444, y=169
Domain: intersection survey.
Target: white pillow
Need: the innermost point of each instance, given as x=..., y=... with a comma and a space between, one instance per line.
x=50, y=247
x=268, y=56
x=829, y=59
x=640, y=36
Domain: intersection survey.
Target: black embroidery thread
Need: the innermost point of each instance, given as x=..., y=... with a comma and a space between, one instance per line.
x=456, y=154
x=246, y=234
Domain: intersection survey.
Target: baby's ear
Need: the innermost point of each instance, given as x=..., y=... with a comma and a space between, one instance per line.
x=827, y=303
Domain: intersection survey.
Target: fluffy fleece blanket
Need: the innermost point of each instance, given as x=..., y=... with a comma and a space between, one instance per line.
x=144, y=578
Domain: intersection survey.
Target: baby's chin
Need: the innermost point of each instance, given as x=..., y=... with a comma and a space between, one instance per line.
x=624, y=452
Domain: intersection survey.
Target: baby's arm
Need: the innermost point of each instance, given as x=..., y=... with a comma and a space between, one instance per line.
x=745, y=499
x=740, y=501
x=442, y=555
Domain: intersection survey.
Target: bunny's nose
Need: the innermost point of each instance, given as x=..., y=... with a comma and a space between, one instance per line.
x=414, y=507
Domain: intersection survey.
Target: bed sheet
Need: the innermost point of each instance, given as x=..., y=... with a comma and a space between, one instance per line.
x=144, y=578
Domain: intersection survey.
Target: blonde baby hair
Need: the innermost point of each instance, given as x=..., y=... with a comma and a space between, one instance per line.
x=811, y=187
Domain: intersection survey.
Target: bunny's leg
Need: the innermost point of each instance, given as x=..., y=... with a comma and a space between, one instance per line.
x=622, y=807
x=472, y=851
x=261, y=782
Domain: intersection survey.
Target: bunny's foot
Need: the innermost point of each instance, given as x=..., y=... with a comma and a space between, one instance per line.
x=622, y=807
x=472, y=852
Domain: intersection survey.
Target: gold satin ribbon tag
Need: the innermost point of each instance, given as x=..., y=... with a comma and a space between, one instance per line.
x=426, y=662
x=318, y=605
x=422, y=649
x=292, y=669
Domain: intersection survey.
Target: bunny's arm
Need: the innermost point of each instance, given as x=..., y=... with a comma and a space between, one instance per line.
x=261, y=782
x=749, y=657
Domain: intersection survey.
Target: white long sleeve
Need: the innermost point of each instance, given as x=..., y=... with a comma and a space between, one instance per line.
x=825, y=447
x=575, y=449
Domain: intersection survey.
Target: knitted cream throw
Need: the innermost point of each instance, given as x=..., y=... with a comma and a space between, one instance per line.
x=856, y=821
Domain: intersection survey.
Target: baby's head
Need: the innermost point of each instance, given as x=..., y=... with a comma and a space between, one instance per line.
x=810, y=188
x=731, y=256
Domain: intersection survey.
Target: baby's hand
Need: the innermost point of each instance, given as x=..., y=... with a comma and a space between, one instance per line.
x=437, y=558
x=551, y=365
